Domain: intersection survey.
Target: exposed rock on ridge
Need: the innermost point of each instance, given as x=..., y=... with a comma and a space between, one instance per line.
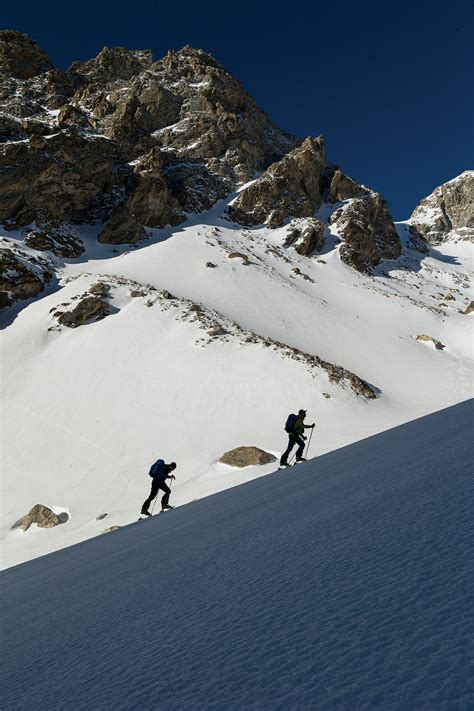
x=368, y=232
x=289, y=188
x=21, y=57
x=297, y=185
x=448, y=212
x=21, y=277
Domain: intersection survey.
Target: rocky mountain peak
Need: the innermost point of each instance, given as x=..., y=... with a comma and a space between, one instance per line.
x=127, y=140
x=20, y=56
x=448, y=212
x=191, y=58
x=112, y=64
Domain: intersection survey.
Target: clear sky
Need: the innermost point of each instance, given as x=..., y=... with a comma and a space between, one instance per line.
x=389, y=85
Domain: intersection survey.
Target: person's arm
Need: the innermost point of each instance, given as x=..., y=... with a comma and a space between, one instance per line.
x=309, y=427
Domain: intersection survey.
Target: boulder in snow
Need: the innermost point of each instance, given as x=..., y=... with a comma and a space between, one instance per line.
x=246, y=457
x=42, y=516
x=438, y=345
x=90, y=308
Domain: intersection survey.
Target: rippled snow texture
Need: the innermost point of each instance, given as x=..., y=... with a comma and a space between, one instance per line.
x=345, y=583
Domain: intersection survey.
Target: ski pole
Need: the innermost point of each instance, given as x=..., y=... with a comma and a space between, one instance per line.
x=309, y=442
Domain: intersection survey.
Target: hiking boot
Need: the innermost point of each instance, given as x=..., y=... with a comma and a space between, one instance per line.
x=300, y=459
x=165, y=507
x=145, y=512
x=285, y=464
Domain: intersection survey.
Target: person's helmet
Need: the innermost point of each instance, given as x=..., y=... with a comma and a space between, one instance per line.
x=173, y=465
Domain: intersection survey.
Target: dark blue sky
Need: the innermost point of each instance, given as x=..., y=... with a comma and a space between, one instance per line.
x=388, y=84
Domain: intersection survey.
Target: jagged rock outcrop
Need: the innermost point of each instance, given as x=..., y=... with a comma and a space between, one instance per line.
x=246, y=457
x=448, y=212
x=20, y=56
x=55, y=238
x=73, y=178
x=91, y=307
x=289, y=188
x=21, y=277
x=368, y=232
x=297, y=185
x=305, y=235
x=121, y=138
x=131, y=143
x=42, y=516
x=344, y=188
x=123, y=228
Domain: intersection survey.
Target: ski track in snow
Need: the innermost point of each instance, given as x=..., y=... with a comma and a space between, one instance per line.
x=344, y=583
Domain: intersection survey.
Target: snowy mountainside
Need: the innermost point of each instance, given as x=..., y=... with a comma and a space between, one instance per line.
x=344, y=583
x=177, y=274
x=218, y=366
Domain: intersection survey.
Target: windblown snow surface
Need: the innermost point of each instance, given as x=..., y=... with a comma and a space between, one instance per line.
x=343, y=583
x=87, y=410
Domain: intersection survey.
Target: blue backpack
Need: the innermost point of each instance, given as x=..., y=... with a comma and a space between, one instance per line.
x=290, y=423
x=158, y=469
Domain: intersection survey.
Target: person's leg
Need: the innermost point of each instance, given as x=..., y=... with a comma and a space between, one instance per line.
x=155, y=485
x=300, y=451
x=291, y=444
x=166, y=497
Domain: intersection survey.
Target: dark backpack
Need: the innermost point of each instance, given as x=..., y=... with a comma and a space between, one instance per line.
x=158, y=469
x=290, y=423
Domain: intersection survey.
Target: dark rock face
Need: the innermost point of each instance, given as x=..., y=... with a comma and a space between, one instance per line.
x=122, y=228
x=448, y=212
x=289, y=188
x=20, y=56
x=56, y=239
x=72, y=178
x=20, y=279
x=344, y=188
x=90, y=308
x=368, y=232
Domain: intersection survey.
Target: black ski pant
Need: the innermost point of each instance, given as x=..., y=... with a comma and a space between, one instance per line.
x=292, y=440
x=156, y=485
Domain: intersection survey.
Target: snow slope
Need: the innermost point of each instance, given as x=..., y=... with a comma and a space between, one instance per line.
x=87, y=410
x=344, y=583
